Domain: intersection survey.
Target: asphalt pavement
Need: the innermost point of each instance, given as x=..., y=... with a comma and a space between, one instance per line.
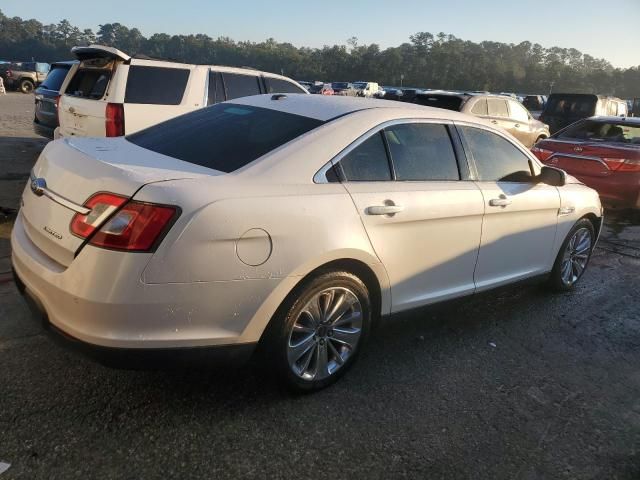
x=516, y=384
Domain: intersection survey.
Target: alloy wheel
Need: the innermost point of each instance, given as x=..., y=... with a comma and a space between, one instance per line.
x=325, y=334
x=576, y=256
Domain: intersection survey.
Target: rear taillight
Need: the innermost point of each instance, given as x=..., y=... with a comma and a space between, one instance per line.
x=119, y=224
x=58, y=108
x=542, y=153
x=102, y=206
x=622, y=164
x=114, y=120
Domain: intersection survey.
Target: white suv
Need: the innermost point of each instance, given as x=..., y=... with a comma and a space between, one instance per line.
x=111, y=94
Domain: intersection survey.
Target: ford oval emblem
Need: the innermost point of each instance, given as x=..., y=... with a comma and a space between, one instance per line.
x=38, y=186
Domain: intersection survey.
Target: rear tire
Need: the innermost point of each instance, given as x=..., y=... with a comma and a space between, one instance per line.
x=573, y=257
x=26, y=86
x=318, y=332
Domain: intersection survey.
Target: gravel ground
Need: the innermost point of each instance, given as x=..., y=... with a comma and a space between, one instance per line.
x=516, y=384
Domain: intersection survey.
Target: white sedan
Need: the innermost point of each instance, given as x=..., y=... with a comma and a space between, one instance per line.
x=291, y=221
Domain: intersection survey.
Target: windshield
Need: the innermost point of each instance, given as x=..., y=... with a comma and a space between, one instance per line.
x=224, y=137
x=571, y=105
x=596, y=131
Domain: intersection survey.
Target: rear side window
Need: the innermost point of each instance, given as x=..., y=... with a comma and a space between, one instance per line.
x=156, y=85
x=55, y=78
x=216, y=89
x=496, y=159
x=278, y=85
x=241, y=85
x=480, y=107
x=448, y=102
x=368, y=162
x=497, y=108
x=224, y=137
x=422, y=152
x=518, y=112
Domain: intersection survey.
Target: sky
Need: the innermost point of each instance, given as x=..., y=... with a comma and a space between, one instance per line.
x=590, y=26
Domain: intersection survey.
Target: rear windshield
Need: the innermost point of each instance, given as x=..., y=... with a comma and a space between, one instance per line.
x=224, y=137
x=448, y=102
x=340, y=85
x=55, y=77
x=156, y=85
x=571, y=105
x=91, y=79
x=595, y=131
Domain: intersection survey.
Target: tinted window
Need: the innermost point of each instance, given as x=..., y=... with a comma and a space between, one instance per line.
x=532, y=103
x=156, y=85
x=42, y=67
x=480, y=107
x=496, y=159
x=216, y=89
x=571, y=105
x=241, y=85
x=422, y=152
x=448, y=102
x=518, y=112
x=55, y=78
x=367, y=162
x=598, y=131
x=497, y=107
x=223, y=137
x=278, y=85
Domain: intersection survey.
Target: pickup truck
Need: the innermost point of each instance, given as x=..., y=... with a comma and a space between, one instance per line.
x=26, y=76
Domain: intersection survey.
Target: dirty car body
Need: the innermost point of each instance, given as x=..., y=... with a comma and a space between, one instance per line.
x=209, y=230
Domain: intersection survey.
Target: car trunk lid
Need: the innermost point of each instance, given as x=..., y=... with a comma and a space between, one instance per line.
x=587, y=159
x=73, y=170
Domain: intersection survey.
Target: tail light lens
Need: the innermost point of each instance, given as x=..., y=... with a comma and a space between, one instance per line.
x=114, y=120
x=542, y=153
x=118, y=224
x=622, y=164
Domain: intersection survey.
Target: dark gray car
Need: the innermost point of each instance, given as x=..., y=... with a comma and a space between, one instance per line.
x=46, y=106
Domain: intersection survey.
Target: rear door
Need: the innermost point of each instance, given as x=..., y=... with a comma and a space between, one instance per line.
x=422, y=219
x=522, y=124
x=519, y=225
x=498, y=114
x=82, y=107
x=158, y=91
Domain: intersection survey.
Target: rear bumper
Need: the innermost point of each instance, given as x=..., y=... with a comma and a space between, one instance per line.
x=43, y=130
x=138, y=358
x=100, y=301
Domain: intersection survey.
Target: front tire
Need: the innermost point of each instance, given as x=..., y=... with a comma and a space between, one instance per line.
x=26, y=86
x=573, y=257
x=318, y=332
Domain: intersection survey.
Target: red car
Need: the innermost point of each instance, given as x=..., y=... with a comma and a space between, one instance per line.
x=603, y=153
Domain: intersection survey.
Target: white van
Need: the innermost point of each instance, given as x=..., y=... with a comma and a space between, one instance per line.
x=366, y=89
x=111, y=94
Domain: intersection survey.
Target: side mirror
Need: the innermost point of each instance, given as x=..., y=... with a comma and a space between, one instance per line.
x=553, y=176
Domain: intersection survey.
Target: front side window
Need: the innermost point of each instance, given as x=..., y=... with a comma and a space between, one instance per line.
x=496, y=159
x=518, y=112
x=422, y=151
x=156, y=85
x=279, y=85
x=368, y=162
x=224, y=137
x=497, y=107
x=241, y=85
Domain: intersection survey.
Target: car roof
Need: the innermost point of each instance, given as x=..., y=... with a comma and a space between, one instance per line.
x=325, y=108
x=614, y=119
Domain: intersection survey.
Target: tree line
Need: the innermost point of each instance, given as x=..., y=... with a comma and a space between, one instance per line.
x=426, y=60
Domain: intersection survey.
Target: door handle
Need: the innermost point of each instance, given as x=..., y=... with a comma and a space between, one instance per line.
x=503, y=201
x=384, y=209
x=495, y=122
x=517, y=125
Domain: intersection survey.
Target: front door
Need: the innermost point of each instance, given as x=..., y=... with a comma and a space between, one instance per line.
x=423, y=221
x=519, y=226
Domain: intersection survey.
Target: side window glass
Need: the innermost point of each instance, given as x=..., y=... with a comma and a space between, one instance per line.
x=367, y=162
x=518, y=112
x=151, y=85
x=278, y=85
x=496, y=159
x=216, y=89
x=480, y=107
x=241, y=85
x=422, y=152
x=498, y=108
